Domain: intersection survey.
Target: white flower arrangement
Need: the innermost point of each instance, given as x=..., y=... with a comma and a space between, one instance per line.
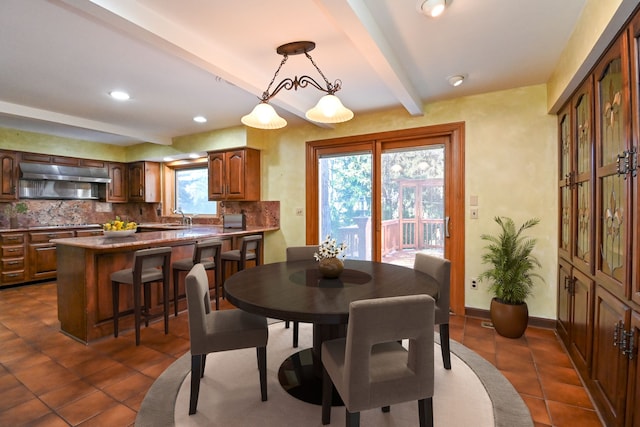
x=330, y=249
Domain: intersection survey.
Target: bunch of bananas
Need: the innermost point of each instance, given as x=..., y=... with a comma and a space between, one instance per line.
x=119, y=225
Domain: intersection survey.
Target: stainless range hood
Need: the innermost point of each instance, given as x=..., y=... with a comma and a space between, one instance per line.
x=40, y=171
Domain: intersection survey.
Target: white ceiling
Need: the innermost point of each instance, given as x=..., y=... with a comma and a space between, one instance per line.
x=177, y=59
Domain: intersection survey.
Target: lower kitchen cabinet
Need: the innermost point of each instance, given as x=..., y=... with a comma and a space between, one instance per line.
x=42, y=254
x=12, y=267
x=612, y=357
x=575, y=314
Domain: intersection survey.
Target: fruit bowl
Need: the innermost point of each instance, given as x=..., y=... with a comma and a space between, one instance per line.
x=119, y=233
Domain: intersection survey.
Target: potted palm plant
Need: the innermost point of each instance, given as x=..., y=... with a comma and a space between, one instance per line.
x=510, y=274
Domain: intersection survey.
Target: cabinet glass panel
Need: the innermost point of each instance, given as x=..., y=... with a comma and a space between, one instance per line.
x=583, y=135
x=612, y=129
x=565, y=154
x=612, y=251
x=565, y=225
x=583, y=222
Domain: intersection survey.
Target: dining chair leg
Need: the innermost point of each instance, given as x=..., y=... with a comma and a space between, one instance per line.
x=202, y=365
x=165, y=304
x=176, y=284
x=115, y=290
x=136, y=310
x=425, y=412
x=386, y=409
x=352, y=419
x=327, y=395
x=286, y=324
x=262, y=369
x=147, y=303
x=444, y=345
x=196, y=370
x=296, y=328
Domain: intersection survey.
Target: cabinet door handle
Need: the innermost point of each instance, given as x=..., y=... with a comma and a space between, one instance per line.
x=446, y=226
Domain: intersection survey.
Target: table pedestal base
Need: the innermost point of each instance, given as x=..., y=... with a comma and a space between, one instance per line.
x=299, y=377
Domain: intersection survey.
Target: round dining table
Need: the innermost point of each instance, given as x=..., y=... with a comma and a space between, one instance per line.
x=295, y=291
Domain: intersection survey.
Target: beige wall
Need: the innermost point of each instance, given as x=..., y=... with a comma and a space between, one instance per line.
x=510, y=164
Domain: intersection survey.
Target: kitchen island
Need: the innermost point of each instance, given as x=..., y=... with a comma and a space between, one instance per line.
x=84, y=266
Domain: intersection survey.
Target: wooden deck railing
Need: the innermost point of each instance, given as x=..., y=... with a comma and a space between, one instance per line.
x=397, y=235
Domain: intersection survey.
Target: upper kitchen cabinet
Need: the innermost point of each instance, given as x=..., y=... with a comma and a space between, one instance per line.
x=234, y=174
x=117, y=188
x=8, y=176
x=144, y=182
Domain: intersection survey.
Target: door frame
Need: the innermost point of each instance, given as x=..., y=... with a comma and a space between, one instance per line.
x=453, y=134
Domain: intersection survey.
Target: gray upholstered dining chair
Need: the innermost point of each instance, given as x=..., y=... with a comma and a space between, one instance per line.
x=299, y=253
x=439, y=269
x=371, y=369
x=213, y=331
x=206, y=252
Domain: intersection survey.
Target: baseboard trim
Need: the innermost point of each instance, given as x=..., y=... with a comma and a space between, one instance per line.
x=537, y=322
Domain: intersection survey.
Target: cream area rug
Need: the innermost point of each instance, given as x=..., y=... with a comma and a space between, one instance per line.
x=472, y=393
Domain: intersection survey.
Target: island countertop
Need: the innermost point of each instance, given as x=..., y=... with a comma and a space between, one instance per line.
x=157, y=238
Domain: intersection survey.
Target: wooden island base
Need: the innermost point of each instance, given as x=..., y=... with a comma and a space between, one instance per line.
x=84, y=266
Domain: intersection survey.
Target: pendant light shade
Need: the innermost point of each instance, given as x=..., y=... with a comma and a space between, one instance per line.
x=264, y=116
x=329, y=109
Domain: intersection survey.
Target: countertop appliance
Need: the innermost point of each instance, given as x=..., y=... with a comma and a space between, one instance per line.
x=236, y=221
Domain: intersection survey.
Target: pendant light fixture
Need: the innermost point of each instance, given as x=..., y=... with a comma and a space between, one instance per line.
x=329, y=108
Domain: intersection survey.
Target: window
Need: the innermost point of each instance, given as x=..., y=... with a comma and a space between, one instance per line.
x=191, y=191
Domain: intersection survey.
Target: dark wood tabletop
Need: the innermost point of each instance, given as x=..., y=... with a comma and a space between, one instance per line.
x=295, y=291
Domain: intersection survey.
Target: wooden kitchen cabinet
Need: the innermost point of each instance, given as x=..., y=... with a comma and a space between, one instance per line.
x=12, y=266
x=116, y=190
x=42, y=259
x=234, y=174
x=8, y=176
x=599, y=229
x=144, y=182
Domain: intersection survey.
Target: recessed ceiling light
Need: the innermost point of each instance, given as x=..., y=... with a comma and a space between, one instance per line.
x=119, y=95
x=167, y=159
x=455, y=80
x=432, y=8
x=200, y=119
x=194, y=155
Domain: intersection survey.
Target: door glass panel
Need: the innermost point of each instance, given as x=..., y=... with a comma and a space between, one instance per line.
x=412, y=203
x=345, y=202
x=565, y=225
x=565, y=160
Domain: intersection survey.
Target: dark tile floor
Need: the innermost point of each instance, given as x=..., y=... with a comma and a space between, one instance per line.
x=48, y=379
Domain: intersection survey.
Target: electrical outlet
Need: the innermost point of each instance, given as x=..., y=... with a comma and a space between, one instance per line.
x=474, y=284
x=299, y=212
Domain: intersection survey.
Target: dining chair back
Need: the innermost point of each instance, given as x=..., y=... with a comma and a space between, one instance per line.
x=213, y=331
x=205, y=252
x=371, y=369
x=149, y=265
x=299, y=253
x=439, y=269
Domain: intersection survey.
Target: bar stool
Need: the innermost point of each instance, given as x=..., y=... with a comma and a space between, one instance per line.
x=149, y=265
x=207, y=253
x=249, y=250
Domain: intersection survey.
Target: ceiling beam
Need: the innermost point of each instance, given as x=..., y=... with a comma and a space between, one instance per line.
x=145, y=24
x=79, y=122
x=355, y=20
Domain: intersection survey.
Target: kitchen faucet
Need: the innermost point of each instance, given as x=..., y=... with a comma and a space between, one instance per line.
x=179, y=211
x=186, y=220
